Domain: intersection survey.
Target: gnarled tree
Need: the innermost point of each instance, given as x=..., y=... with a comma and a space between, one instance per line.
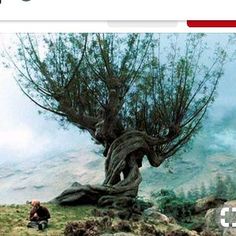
x=136, y=94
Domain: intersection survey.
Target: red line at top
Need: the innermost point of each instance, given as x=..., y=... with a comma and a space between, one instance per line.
x=211, y=23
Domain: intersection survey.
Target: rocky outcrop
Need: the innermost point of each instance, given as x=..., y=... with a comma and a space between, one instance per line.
x=152, y=224
x=212, y=223
x=213, y=217
x=229, y=232
x=153, y=213
x=207, y=203
x=133, y=220
x=87, y=228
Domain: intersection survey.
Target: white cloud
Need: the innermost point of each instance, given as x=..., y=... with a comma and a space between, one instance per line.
x=18, y=139
x=226, y=138
x=23, y=132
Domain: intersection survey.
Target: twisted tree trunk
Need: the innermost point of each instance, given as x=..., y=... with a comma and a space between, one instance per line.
x=122, y=175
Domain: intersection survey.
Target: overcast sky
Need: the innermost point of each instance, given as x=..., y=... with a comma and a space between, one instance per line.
x=23, y=132
x=26, y=134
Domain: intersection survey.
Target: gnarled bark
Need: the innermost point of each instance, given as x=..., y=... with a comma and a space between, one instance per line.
x=122, y=175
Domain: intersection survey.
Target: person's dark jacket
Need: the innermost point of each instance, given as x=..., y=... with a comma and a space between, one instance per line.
x=42, y=214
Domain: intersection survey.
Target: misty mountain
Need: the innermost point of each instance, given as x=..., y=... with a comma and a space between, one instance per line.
x=212, y=152
x=44, y=179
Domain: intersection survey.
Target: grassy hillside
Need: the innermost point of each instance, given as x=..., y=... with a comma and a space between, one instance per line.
x=14, y=218
x=13, y=222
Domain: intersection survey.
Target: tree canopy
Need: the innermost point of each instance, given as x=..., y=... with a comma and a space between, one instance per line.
x=109, y=83
x=136, y=94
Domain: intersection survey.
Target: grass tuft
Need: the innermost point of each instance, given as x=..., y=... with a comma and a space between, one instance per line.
x=14, y=219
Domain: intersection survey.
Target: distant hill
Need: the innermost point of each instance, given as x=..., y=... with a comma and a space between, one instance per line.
x=46, y=178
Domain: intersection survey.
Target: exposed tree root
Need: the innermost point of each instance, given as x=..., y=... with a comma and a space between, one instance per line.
x=122, y=177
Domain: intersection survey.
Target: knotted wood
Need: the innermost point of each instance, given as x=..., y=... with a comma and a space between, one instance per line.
x=122, y=175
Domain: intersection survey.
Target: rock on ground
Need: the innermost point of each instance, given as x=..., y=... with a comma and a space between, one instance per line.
x=207, y=203
x=213, y=217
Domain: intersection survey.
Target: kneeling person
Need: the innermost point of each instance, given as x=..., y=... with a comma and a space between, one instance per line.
x=39, y=216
